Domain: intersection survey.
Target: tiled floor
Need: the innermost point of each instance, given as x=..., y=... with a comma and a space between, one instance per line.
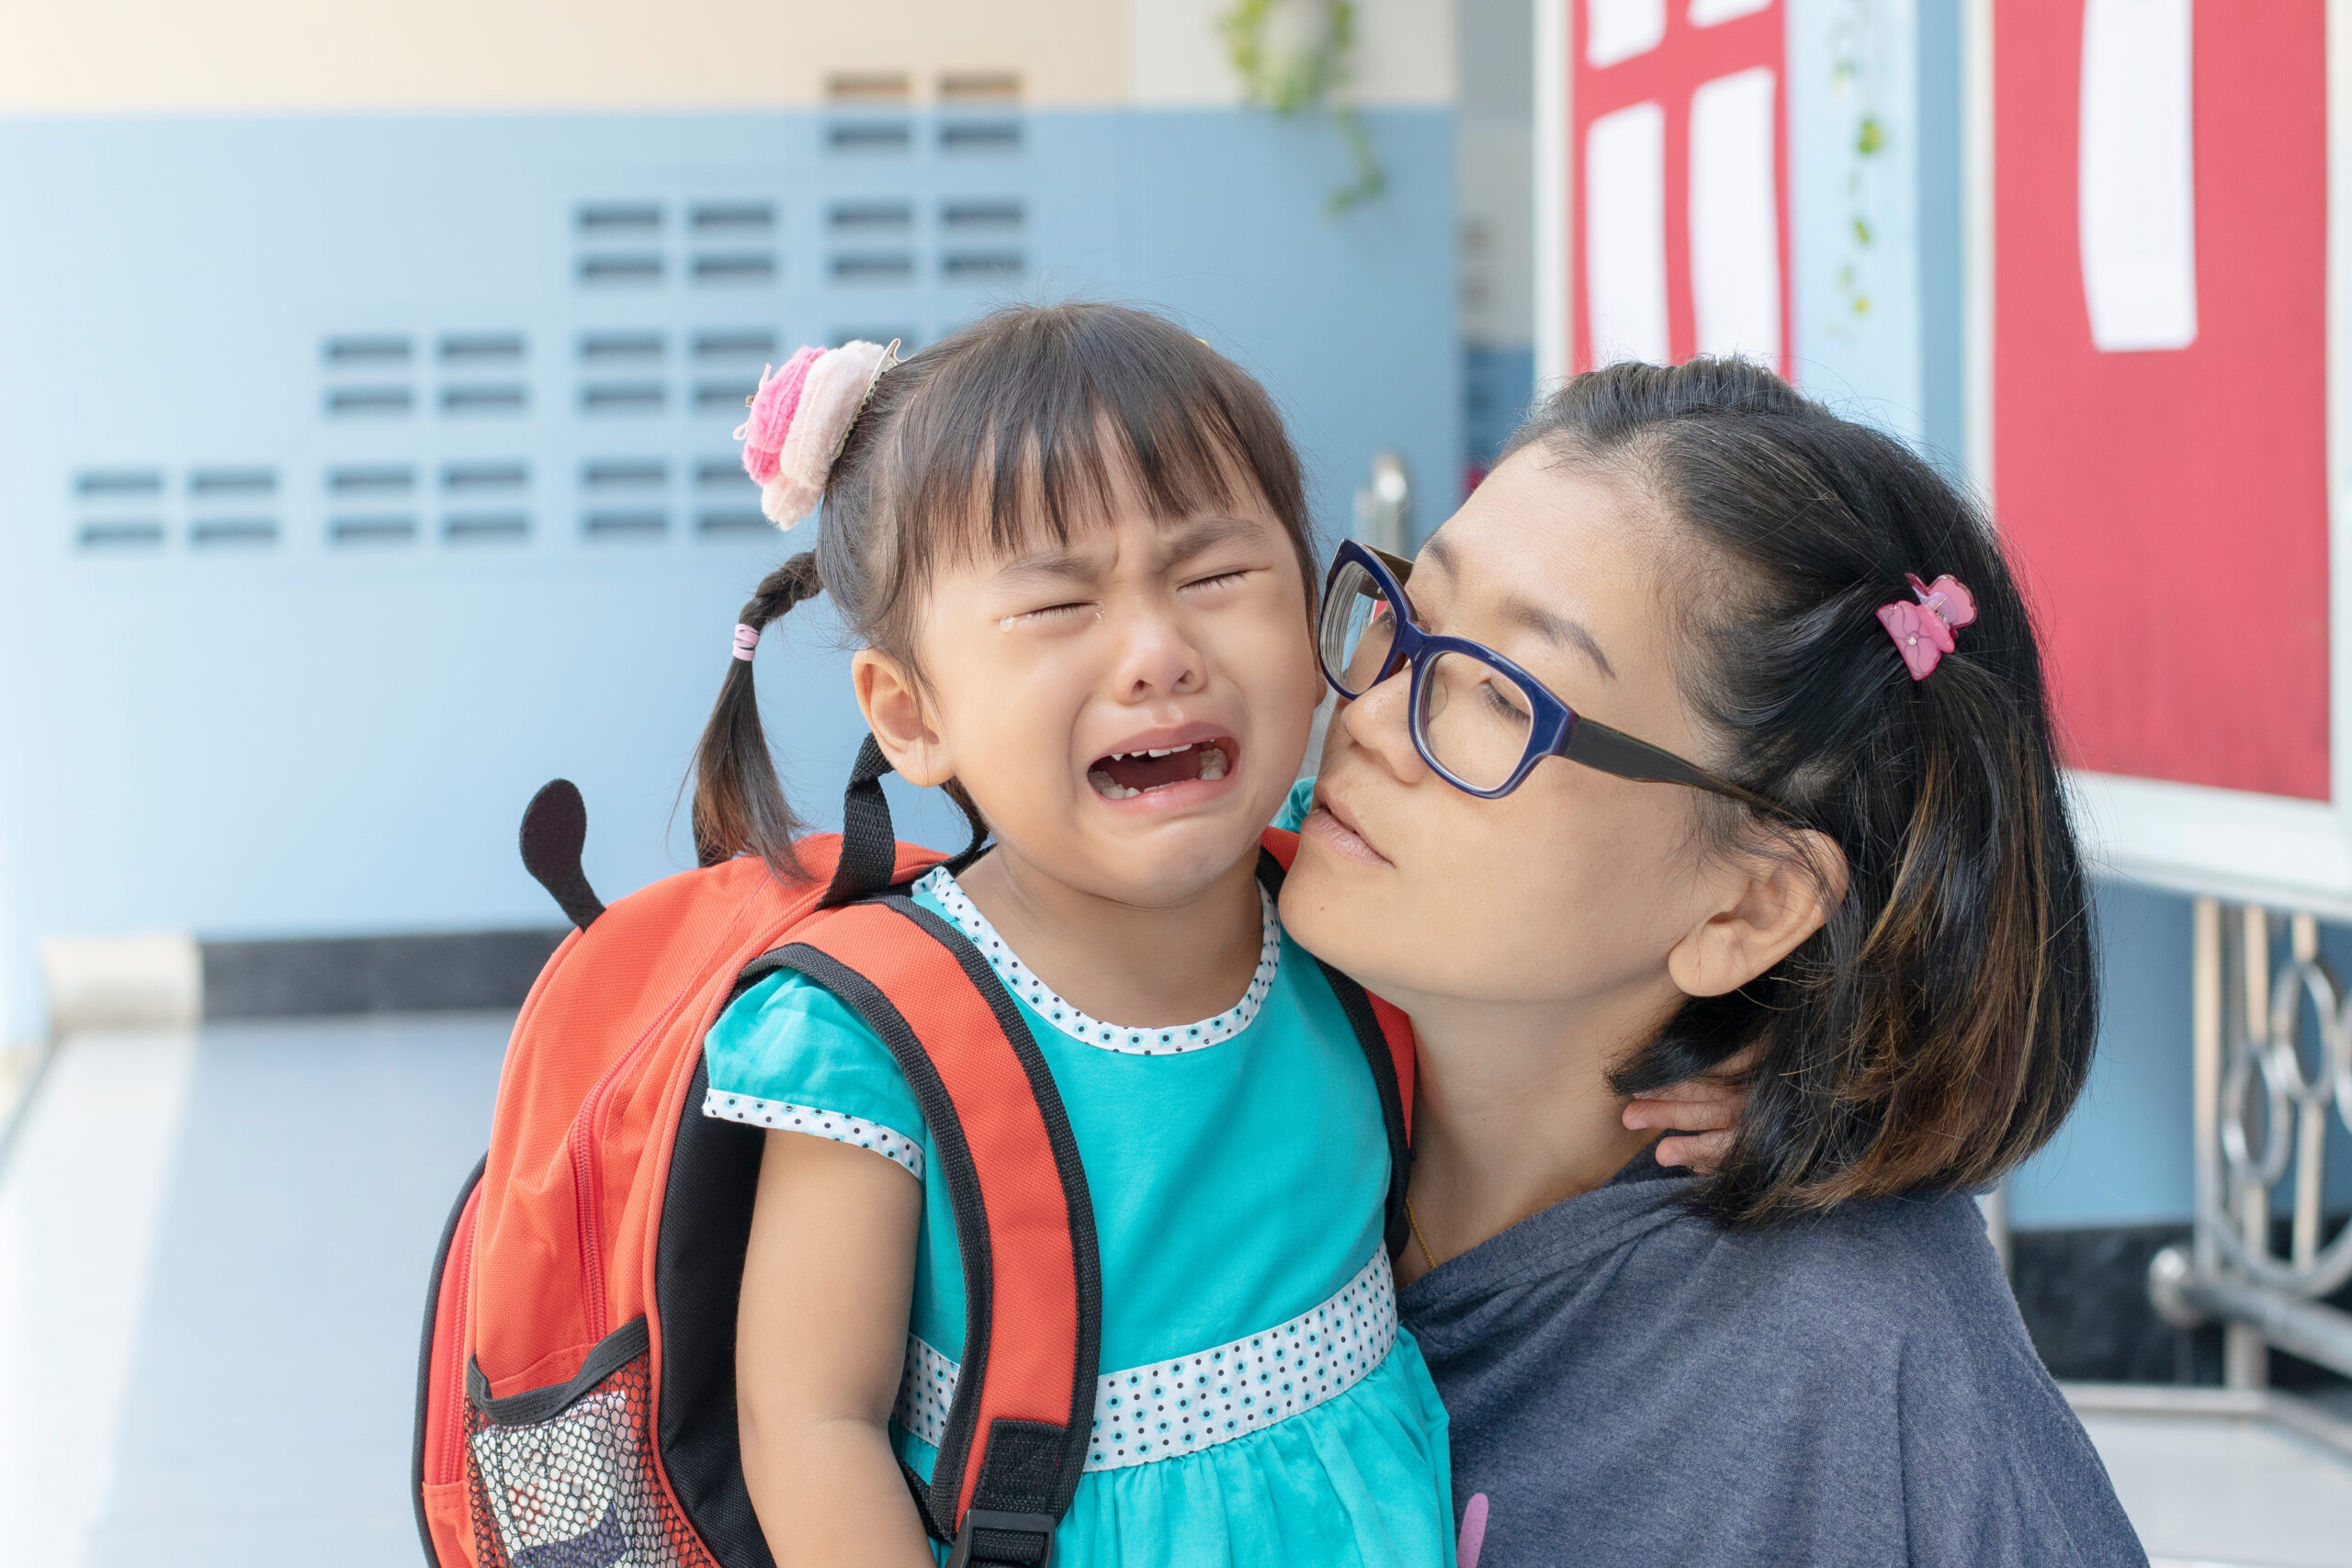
x=212, y=1256
x=2215, y=1489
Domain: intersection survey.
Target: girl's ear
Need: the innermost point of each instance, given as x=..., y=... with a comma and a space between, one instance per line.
x=892, y=703
x=1776, y=896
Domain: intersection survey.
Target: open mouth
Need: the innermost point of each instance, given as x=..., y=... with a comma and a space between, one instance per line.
x=1123, y=775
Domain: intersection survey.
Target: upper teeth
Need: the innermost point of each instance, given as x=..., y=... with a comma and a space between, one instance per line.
x=1155, y=751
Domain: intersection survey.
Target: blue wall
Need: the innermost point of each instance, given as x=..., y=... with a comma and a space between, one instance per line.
x=2124, y=1157
x=359, y=474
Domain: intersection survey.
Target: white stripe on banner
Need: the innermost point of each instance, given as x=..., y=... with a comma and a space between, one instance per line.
x=1735, y=215
x=1624, y=235
x=1707, y=13
x=1619, y=30
x=2138, y=192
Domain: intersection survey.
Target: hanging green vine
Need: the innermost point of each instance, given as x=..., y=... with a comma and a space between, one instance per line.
x=1853, y=47
x=1313, y=74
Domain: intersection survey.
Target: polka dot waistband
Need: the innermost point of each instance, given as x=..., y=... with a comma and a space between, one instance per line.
x=1173, y=1408
x=1162, y=1040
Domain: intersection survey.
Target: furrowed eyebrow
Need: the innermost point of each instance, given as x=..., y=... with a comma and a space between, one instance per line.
x=1181, y=542
x=1200, y=534
x=1059, y=566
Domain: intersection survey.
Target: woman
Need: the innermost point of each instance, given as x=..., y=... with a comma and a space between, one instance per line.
x=1843, y=850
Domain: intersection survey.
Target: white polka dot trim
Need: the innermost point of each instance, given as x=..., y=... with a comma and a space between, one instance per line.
x=1173, y=1408
x=1162, y=1040
x=818, y=1123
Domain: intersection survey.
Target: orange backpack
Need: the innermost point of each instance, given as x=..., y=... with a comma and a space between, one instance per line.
x=576, y=1391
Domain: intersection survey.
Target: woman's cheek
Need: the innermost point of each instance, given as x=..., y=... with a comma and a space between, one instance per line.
x=1512, y=894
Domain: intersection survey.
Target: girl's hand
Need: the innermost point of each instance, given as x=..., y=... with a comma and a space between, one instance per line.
x=1701, y=1112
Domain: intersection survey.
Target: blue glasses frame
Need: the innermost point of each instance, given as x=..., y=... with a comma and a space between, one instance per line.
x=1555, y=729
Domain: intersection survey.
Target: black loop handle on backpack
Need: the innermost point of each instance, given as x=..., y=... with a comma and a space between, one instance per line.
x=869, y=844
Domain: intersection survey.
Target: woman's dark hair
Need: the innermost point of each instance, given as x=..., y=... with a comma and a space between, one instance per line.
x=1937, y=1030
x=1022, y=428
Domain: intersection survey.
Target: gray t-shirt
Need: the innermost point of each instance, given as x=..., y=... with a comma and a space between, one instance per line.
x=1633, y=1385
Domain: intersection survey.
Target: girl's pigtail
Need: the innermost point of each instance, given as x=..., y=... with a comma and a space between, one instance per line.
x=799, y=420
x=738, y=806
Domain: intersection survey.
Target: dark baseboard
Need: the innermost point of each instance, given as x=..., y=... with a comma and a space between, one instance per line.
x=2084, y=1294
x=440, y=973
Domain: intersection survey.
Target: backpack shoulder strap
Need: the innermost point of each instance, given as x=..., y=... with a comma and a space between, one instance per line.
x=869, y=847
x=1023, y=1408
x=1386, y=1034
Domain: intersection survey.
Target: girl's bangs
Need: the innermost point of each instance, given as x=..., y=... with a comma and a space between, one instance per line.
x=1049, y=436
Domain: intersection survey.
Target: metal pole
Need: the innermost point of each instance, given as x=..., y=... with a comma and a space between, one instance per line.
x=2311, y=1121
x=2205, y=1015
x=2245, y=1354
x=2303, y=1329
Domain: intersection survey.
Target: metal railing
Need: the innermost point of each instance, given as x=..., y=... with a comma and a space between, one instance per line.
x=2266, y=1088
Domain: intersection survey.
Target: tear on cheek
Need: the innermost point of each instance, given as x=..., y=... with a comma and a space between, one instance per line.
x=1124, y=777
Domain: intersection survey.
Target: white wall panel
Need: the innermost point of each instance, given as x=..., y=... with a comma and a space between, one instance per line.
x=153, y=56
x=1176, y=55
x=1624, y=235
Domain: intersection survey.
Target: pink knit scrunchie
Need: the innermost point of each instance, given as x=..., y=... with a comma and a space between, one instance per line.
x=772, y=410
x=799, y=418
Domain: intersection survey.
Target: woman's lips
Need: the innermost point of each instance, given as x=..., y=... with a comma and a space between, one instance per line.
x=1325, y=828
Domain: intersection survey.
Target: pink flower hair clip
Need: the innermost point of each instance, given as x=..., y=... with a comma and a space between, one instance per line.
x=1922, y=632
x=800, y=419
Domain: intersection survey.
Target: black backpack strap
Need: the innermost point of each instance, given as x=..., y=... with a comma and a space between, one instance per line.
x=1025, y=1222
x=869, y=844
x=1357, y=1005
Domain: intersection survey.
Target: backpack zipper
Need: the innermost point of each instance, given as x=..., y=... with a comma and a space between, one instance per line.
x=584, y=1178
x=454, y=1451
x=587, y=1176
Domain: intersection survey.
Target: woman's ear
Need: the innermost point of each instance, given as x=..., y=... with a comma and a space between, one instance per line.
x=889, y=697
x=1776, y=896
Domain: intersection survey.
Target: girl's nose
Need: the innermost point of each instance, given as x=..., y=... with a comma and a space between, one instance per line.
x=1156, y=658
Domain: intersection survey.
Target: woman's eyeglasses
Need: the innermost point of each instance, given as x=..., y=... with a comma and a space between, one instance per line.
x=1478, y=720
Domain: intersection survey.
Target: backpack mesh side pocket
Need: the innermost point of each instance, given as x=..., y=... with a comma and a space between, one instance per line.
x=564, y=1477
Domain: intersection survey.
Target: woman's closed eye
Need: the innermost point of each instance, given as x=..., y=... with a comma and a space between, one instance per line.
x=1504, y=699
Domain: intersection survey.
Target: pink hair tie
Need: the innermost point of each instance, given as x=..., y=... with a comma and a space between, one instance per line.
x=1922, y=632
x=800, y=419
x=746, y=638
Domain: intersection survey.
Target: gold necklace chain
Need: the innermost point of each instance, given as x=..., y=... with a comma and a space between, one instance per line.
x=1418, y=1240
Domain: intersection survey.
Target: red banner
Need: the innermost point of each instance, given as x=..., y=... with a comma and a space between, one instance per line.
x=2160, y=361
x=1680, y=237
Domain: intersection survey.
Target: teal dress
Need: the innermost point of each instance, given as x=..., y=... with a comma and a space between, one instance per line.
x=1238, y=1167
